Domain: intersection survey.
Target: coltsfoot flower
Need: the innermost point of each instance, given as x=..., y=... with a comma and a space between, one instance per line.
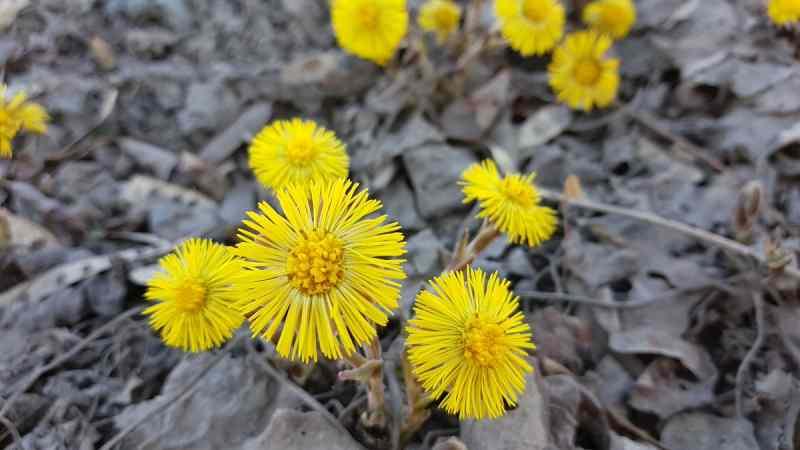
x=784, y=12
x=511, y=203
x=531, y=27
x=16, y=115
x=581, y=74
x=468, y=342
x=297, y=151
x=195, y=305
x=611, y=17
x=440, y=17
x=370, y=29
x=324, y=269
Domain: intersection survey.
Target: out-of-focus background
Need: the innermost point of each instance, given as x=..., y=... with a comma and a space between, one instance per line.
x=152, y=102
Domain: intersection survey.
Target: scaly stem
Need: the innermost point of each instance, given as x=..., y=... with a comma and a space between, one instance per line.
x=465, y=253
x=369, y=371
x=417, y=402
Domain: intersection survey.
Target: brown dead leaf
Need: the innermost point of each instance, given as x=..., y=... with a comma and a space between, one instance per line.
x=102, y=53
x=19, y=231
x=573, y=189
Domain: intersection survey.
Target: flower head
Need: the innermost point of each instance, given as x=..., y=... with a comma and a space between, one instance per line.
x=611, y=17
x=296, y=151
x=531, y=27
x=370, y=29
x=784, y=12
x=17, y=115
x=468, y=341
x=580, y=73
x=441, y=17
x=323, y=269
x=195, y=305
x=511, y=203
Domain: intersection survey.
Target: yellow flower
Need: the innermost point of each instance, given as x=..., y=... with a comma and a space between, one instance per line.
x=441, y=17
x=195, y=309
x=296, y=151
x=325, y=269
x=511, y=203
x=370, y=29
x=580, y=73
x=468, y=341
x=784, y=12
x=531, y=27
x=612, y=17
x=17, y=115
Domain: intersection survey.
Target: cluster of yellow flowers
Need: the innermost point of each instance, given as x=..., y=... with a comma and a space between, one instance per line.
x=318, y=274
x=16, y=115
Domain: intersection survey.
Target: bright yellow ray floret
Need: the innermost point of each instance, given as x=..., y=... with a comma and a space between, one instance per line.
x=297, y=151
x=784, y=12
x=325, y=269
x=468, y=342
x=511, y=203
x=440, y=17
x=531, y=27
x=18, y=115
x=611, y=17
x=581, y=74
x=195, y=305
x=370, y=29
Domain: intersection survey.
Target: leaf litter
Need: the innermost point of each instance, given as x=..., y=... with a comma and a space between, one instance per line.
x=150, y=149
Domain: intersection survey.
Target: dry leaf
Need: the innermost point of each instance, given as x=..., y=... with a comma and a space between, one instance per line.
x=572, y=188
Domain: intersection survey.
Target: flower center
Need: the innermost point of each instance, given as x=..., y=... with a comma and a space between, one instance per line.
x=444, y=17
x=300, y=150
x=483, y=342
x=587, y=72
x=517, y=190
x=315, y=263
x=535, y=10
x=369, y=16
x=190, y=296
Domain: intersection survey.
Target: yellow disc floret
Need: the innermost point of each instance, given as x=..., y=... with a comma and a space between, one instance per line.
x=440, y=17
x=324, y=270
x=613, y=18
x=467, y=343
x=784, y=12
x=531, y=27
x=194, y=304
x=297, y=151
x=581, y=74
x=511, y=203
x=315, y=263
x=370, y=29
x=17, y=115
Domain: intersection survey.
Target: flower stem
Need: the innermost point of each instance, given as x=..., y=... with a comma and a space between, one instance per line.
x=466, y=253
x=369, y=370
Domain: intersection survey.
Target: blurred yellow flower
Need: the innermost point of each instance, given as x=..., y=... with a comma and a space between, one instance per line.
x=511, y=203
x=370, y=29
x=195, y=305
x=18, y=115
x=580, y=73
x=612, y=17
x=325, y=269
x=297, y=151
x=784, y=12
x=531, y=27
x=441, y=17
x=468, y=342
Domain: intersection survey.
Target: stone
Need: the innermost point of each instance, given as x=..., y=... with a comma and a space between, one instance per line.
x=701, y=431
x=524, y=428
x=295, y=430
x=434, y=171
x=398, y=202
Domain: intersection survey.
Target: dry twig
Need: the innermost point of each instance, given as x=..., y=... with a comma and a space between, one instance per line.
x=697, y=233
x=110, y=326
x=758, y=304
